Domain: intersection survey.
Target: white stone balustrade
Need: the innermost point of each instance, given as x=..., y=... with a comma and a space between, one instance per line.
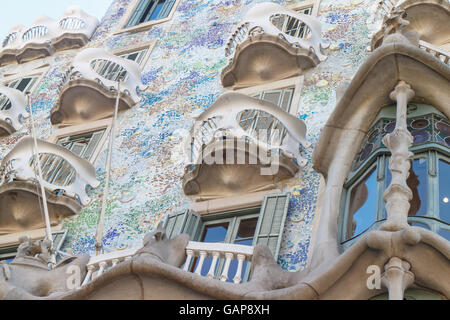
x=269, y=18
x=12, y=109
x=18, y=165
x=216, y=251
x=100, y=264
x=74, y=28
x=224, y=117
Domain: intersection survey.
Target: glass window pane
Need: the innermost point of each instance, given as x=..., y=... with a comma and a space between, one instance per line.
x=362, y=205
x=215, y=233
x=444, y=191
x=444, y=233
x=417, y=182
x=246, y=230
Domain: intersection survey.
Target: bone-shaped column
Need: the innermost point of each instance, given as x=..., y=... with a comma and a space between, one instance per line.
x=397, y=278
x=398, y=194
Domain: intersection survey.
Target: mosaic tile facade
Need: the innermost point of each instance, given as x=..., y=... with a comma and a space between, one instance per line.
x=183, y=78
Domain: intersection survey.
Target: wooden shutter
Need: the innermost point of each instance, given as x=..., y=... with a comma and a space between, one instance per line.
x=184, y=222
x=138, y=12
x=93, y=143
x=165, y=11
x=269, y=229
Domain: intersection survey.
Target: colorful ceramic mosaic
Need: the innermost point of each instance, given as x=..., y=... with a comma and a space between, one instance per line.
x=183, y=78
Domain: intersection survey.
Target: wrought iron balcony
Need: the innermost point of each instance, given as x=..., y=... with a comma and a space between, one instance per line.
x=65, y=178
x=272, y=43
x=252, y=135
x=46, y=35
x=90, y=89
x=12, y=110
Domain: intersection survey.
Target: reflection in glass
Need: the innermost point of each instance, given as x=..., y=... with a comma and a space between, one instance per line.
x=244, y=237
x=362, y=205
x=444, y=191
x=444, y=233
x=417, y=182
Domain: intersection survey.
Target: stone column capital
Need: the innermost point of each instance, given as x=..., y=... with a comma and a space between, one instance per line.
x=403, y=89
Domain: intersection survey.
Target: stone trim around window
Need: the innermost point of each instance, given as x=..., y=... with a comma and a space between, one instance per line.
x=149, y=46
x=315, y=4
x=143, y=26
x=85, y=128
x=294, y=82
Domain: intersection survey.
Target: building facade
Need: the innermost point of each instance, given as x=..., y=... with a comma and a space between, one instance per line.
x=237, y=149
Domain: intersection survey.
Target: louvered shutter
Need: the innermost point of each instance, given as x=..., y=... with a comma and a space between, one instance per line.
x=138, y=12
x=184, y=222
x=93, y=143
x=269, y=229
x=165, y=11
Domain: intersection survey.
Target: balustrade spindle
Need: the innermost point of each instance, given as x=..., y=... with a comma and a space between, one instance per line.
x=88, y=277
x=203, y=255
x=229, y=257
x=212, y=270
x=237, y=278
x=190, y=254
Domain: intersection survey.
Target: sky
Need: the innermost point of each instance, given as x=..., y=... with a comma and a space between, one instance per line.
x=24, y=12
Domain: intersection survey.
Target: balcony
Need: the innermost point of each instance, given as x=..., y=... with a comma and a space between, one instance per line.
x=242, y=145
x=73, y=30
x=90, y=89
x=65, y=176
x=428, y=21
x=232, y=256
x=12, y=110
x=272, y=43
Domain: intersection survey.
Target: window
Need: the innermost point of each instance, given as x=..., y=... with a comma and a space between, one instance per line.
x=150, y=10
x=8, y=254
x=253, y=120
x=136, y=56
x=249, y=227
x=363, y=208
x=23, y=84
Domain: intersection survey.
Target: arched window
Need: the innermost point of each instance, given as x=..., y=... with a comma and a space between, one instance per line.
x=363, y=207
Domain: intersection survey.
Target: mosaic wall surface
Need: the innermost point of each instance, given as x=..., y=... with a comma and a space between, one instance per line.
x=183, y=78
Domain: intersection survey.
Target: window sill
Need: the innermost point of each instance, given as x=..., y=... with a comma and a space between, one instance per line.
x=143, y=26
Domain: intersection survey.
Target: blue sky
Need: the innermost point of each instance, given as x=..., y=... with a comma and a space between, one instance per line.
x=25, y=11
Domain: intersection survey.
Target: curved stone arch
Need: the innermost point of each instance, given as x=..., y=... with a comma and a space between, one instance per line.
x=355, y=111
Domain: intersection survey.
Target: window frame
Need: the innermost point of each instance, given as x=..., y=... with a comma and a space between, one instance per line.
x=315, y=4
x=85, y=128
x=432, y=151
x=146, y=25
x=295, y=82
x=149, y=46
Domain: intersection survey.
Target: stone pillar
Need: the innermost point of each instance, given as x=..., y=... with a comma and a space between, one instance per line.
x=398, y=195
x=397, y=278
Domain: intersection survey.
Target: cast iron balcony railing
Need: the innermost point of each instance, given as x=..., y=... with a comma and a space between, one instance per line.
x=272, y=43
x=12, y=110
x=89, y=90
x=246, y=128
x=45, y=36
